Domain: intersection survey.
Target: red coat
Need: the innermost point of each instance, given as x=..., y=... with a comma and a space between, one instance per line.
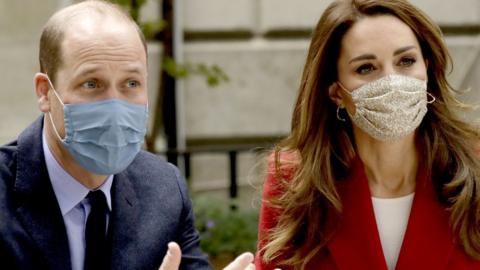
x=428, y=242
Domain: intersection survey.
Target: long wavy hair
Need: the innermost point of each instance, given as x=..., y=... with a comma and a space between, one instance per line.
x=323, y=147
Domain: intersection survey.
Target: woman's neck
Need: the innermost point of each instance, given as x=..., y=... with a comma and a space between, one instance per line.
x=391, y=167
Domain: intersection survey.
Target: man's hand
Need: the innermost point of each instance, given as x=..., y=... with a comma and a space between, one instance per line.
x=171, y=261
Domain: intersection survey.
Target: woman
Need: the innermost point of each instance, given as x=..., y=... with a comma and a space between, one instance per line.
x=378, y=171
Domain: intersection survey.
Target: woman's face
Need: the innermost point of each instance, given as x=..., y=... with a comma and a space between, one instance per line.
x=372, y=48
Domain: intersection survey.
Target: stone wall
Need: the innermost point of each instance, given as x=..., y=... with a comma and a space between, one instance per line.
x=20, y=22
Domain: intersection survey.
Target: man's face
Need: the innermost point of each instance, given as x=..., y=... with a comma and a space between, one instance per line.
x=102, y=59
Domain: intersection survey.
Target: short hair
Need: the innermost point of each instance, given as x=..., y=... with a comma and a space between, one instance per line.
x=53, y=34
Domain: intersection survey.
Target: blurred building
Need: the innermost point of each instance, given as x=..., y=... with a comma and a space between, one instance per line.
x=260, y=44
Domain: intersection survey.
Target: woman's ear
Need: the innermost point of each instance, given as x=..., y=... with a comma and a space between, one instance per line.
x=334, y=92
x=42, y=87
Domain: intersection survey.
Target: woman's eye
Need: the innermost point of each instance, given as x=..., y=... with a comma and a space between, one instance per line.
x=407, y=61
x=91, y=84
x=133, y=84
x=365, y=69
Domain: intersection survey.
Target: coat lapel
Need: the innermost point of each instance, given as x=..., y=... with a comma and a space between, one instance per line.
x=123, y=226
x=355, y=243
x=38, y=209
x=428, y=241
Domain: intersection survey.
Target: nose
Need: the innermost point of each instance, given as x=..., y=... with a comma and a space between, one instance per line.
x=111, y=93
x=388, y=69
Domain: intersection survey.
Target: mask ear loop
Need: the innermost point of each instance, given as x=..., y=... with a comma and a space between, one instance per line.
x=339, y=107
x=344, y=88
x=49, y=113
x=54, y=91
x=54, y=127
x=432, y=100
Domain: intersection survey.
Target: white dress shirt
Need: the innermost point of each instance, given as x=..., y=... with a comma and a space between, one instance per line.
x=391, y=215
x=75, y=208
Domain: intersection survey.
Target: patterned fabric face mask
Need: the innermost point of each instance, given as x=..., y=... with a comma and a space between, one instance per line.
x=389, y=108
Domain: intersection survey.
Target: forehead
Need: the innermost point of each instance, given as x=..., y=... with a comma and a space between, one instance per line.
x=380, y=33
x=93, y=39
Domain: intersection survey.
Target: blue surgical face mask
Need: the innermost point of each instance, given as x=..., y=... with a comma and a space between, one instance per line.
x=103, y=136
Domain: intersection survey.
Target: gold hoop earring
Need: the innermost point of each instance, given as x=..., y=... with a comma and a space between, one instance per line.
x=432, y=100
x=338, y=114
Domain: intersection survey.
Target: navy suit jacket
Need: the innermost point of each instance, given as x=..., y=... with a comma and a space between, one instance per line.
x=150, y=207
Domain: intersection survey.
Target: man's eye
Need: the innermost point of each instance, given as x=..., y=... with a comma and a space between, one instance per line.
x=90, y=84
x=365, y=69
x=133, y=84
x=407, y=61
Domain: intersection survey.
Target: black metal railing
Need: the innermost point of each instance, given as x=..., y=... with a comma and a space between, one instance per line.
x=232, y=151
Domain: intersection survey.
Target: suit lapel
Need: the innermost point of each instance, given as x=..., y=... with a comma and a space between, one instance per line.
x=38, y=209
x=428, y=241
x=355, y=243
x=123, y=226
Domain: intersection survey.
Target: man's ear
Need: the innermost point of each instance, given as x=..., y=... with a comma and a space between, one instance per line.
x=334, y=92
x=42, y=86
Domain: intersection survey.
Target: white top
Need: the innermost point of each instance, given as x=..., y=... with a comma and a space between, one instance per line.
x=75, y=208
x=391, y=215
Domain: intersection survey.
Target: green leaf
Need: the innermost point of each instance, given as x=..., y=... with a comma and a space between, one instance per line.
x=174, y=69
x=152, y=28
x=222, y=230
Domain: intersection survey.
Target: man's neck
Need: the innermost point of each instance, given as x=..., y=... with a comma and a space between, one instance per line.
x=68, y=163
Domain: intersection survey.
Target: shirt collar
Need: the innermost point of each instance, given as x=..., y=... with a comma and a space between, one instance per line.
x=69, y=192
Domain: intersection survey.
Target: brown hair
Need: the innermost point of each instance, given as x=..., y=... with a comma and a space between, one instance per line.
x=50, y=53
x=324, y=147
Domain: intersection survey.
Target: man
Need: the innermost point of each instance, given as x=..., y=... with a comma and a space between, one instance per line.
x=76, y=192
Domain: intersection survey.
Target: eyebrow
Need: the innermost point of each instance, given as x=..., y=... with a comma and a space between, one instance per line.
x=404, y=49
x=87, y=71
x=372, y=56
x=95, y=68
x=134, y=69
